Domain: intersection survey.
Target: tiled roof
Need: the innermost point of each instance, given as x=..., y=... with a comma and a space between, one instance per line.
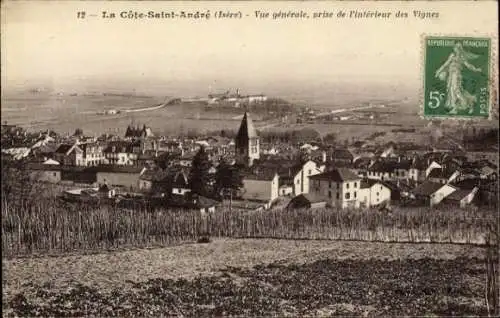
x=427, y=188
x=337, y=175
x=120, y=146
x=261, y=174
x=440, y=173
x=64, y=148
x=367, y=183
x=342, y=154
x=458, y=195
x=115, y=169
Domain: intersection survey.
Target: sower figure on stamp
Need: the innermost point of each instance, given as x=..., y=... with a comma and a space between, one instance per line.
x=457, y=98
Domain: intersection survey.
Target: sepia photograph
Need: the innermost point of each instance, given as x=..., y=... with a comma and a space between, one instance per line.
x=250, y=158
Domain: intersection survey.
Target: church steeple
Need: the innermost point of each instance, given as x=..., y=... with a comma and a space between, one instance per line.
x=247, y=142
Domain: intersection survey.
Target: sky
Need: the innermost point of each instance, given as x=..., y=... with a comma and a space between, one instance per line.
x=44, y=42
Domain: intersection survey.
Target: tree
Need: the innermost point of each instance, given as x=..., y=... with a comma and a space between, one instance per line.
x=19, y=184
x=228, y=179
x=199, y=177
x=330, y=138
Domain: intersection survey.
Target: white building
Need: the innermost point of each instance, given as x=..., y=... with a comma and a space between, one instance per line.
x=261, y=187
x=341, y=186
x=301, y=182
x=373, y=193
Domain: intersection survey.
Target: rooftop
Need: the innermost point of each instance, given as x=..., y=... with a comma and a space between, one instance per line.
x=337, y=175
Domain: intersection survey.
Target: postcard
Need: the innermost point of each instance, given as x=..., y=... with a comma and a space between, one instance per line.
x=249, y=158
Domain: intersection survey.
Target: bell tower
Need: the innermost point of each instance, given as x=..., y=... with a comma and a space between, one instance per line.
x=247, y=142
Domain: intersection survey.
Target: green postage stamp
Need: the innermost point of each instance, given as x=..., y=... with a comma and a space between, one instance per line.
x=457, y=77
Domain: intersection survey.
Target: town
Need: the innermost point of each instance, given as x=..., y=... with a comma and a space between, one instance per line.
x=254, y=173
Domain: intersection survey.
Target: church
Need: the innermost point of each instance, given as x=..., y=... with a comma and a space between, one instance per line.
x=258, y=184
x=247, y=146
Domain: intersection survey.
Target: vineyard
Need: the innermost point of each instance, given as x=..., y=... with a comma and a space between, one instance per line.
x=46, y=227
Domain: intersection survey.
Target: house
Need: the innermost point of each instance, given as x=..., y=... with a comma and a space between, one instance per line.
x=307, y=201
x=285, y=189
x=340, y=186
x=122, y=176
x=151, y=179
x=261, y=186
x=51, y=162
x=488, y=172
x=461, y=197
x=302, y=173
x=373, y=193
x=123, y=153
x=92, y=154
x=69, y=155
x=381, y=170
x=17, y=153
x=431, y=166
x=417, y=170
x=402, y=169
x=432, y=193
x=440, y=175
x=342, y=156
x=203, y=204
x=45, y=172
x=399, y=190
x=180, y=183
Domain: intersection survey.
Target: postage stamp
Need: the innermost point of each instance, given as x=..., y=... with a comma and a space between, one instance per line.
x=456, y=77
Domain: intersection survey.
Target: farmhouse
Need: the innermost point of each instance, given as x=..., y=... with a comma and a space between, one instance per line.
x=340, y=186
x=432, y=193
x=69, y=155
x=262, y=186
x=373, y=193
x=461, y=197
x=45, y=172
x=440, y=175
x=124, y=176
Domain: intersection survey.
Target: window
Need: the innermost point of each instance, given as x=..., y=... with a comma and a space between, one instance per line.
x=298, y=181
x=377, y=194
x=338, y=195
x=310, y=171
x=355, y=184
x=380, y=187
x=329, y=194
x=347, y=195
x=347, y=185
x=355, y=194
x=329, y=184
x=55, y=174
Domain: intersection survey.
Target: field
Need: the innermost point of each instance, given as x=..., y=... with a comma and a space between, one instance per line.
x=252, y=277
x=45, y=227
x=65, y=113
